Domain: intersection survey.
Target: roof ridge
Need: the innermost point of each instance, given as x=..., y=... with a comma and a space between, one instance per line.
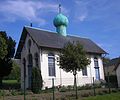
x=40, y=29
x=77, y=36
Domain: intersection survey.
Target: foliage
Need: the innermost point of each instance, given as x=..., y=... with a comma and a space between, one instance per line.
x=106, y=60
x=15, y=73
x=73, y=57
x=3, y=47
x=7, y=46
x=112, y=80
x=10, y=84
x=37, y=81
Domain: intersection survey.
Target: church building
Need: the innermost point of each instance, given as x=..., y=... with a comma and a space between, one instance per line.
x=41, y=48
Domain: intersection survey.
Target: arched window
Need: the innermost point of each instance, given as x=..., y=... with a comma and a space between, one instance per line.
x=30, y=65
x=24, y=67
x=96, y=66
x=36, y=60
x=30, y=59
x=51, y=64
x=29, y=45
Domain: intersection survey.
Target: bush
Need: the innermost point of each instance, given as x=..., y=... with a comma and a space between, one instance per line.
x=112, y=80
x=85, y=87
x=63, y=89
x=105, y=91
x=37, y=81
x=114, y=91
x=85, y=95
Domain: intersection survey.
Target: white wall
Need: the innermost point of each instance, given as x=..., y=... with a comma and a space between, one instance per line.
x=118, y=75
x=62, y=78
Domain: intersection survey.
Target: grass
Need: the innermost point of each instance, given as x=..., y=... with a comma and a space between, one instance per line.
x=10, y=84
x=10, y=81
x=112, y=96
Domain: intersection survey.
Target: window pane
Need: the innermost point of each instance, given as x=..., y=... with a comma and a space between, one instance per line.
x=97, y=73
x=84, y=71
x=50, y=60
x=51, y=65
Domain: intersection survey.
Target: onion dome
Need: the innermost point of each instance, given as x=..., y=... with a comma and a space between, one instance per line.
x=60, y=19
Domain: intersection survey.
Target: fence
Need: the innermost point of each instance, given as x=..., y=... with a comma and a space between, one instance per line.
x=62, y=91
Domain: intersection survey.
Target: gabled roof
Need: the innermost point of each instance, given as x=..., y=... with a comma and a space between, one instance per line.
x=113, y=62
x=53, y=40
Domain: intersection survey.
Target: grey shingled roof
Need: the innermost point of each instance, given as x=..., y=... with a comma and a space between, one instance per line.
x=113, y=62
x=53, y=40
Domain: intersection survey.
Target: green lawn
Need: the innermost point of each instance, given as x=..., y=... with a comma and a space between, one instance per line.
x=9, y=81
x=112, y=96
x=13, y=84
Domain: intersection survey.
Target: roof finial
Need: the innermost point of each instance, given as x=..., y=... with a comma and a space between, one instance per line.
x=59, y=8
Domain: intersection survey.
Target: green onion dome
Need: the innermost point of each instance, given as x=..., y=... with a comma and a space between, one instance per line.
x=60, y=20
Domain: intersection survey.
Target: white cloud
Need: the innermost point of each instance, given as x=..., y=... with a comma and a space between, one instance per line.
x=95, y=9
x=81, y=11
x=30, y=10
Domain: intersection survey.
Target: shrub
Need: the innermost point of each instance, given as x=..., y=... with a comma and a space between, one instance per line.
x=114, y=91
x=69, y=87
x=63, y=89
x=112, y=80
x=85, y=95
x=37, y=81
x=105, y=91
x=13, y=92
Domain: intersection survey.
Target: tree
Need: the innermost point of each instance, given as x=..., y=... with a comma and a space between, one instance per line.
x=37, y=82
x=15, y=72
x=73, y=58
x=7, y=49
x=3, y=47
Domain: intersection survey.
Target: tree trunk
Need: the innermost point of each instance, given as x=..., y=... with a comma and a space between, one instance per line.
x=75, y=85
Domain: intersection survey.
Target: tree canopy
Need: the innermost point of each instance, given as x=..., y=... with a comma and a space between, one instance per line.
x=7, y=50
x=73, y=57
x=3, y=47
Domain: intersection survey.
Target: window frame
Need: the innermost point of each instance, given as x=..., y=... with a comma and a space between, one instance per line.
x=84, y=71
x=51, y=65
x=36, y=59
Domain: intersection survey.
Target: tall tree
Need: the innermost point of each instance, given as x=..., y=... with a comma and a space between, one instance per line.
x=3, y=47
x=73, y=58
x=7, y=49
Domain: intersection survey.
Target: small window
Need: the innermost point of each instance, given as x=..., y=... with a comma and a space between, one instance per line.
x=36, y=60
x=51, y=64
x=84, y=71
x=96, y=62
x=96, y=66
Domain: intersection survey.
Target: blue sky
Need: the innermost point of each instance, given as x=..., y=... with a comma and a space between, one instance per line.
x=98, y=20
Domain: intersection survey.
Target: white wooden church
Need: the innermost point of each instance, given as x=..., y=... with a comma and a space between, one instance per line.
x=40, y=48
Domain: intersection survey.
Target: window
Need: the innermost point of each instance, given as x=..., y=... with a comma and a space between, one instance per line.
x=30, y=59
x=30, y=65
x=97, y=73
x=36, y=60
x=24, y=65
x=51, y=64
x=29, y=44
x=84, y=71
